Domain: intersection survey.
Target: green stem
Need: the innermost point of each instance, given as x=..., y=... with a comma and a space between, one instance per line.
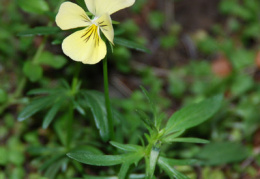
x=107, y=99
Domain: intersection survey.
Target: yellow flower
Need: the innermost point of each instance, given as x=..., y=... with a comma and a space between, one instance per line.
x=86, y=45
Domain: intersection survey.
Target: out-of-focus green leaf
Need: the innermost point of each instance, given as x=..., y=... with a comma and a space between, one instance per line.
x=174, y=162
x=173, y=136
x=3, y=155
x=54, y=168
x=42, y=91
x=222, y=153
x=33, y=6
x=126, y=147
x=99, y=160
x=95, y=177
x=241, y=84
x=193, y=115
x=34, y=106
x=55, y=61
x=156, y=19
x=39, y=31
x=95, y=101
x=123, y=170
x=32, y=71
x=130, y=44
x=50, y=161
x=172, y=172
x=189, y=140
x=50, y=115
x=242, y=58
x=3, y=96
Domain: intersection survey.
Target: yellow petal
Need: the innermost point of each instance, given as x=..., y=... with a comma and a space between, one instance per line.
x=105, y=24
x=85, y=46
x=71, y=16
x=100, y=7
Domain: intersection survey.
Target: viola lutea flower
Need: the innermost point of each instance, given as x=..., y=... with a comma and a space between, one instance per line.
x=86, y=45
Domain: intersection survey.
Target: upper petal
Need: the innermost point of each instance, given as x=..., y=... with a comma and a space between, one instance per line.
x=71, y=16
x=105, y=24
x=85, y=46
x=100, y=7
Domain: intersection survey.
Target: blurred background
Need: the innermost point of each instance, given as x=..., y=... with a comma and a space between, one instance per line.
x=197, y=49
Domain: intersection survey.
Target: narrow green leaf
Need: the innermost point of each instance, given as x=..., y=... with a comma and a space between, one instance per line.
x=79, y=108
x=151, y=102
x=52, y=160
x=33, y=6
x=42, y=91
x=95, y=101
x=175, y=162
x=193, y=115
x=173, y=136
x=132, y=176
x=50, y=115
x=189, y=140
x=34, y=106
x=98, y=160
x=115, y=22
x=126, y=147
x=170, y=170
x=123, y=170
x=96, y=177
x=86, y=149
x=105, y=160
x=54, y=168
x=39, y=31
x=130, y=44
x=39, y=150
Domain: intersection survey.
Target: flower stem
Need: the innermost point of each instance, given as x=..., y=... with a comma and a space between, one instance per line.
x=107, y=99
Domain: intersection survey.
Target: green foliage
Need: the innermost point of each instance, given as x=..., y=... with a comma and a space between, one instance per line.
x=148, y=142
x=31, y=6
x=32, y=71
x=95, y=101
x=131, y=45
x=3, y=96
x=39, y=31
x=156, y=19
x=193, y=115
x=222, y=153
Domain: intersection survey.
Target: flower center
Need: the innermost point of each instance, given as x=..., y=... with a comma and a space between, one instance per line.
x=94, y=21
